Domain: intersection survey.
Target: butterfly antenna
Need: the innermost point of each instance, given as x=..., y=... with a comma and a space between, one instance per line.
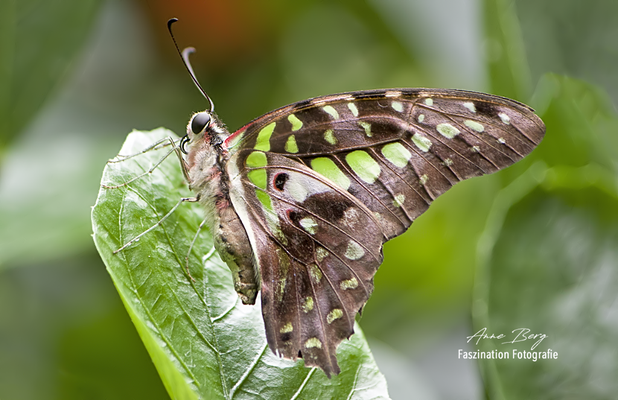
x=185, y=60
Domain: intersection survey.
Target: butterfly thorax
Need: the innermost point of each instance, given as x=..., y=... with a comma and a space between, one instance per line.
x=209, y=180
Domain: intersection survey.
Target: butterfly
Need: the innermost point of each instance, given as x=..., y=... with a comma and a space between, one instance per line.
x=301, y=199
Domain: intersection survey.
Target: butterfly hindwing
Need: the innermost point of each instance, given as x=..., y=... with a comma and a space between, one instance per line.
x=320, y=185
x=318, y=250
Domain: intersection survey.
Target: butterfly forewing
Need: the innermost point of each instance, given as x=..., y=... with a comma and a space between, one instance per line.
x=320, y=185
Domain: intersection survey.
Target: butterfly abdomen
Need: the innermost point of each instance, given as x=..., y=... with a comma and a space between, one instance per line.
x=234, y=248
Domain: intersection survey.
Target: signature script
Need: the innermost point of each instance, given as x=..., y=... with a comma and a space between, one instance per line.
x=516, y=336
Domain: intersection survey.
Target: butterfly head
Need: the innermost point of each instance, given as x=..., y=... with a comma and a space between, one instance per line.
x=199, y=123
x=204, y=123
x=196, y=128
x=204, y=126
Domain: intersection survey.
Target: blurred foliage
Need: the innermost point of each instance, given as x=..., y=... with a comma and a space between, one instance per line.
x=548, y=258
x=508, y=69
x=65, y=335
x=36, y=55
x=546, y=236
x=576, y=38
x=554, y=271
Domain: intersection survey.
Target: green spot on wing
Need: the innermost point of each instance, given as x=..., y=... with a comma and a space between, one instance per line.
x=333, y=315
x=320, y=254
x=263, y=139
x=264, y=198
x=256, y=159
x=367, y=127
x=329, y=136
x=474, y=125
x=307, y=304
x=396, y=154
x=349, y=284
x=290, y=145
x=309, y=225
x=398, y=200
x=287, y=328
x=363, y=165
x=272, y=220
x=258, y=177
x=421, y=142
x=326, y=167
x=296, y=123
x=447, y=130
x=397, y=106
x=331, y=110
x=313, y=342
x=354, y=251
x=353, y=109
x=470, y=106
x=315, y=273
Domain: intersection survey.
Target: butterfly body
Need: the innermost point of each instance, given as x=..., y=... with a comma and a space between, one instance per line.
x=208, y=177
x=301, y=199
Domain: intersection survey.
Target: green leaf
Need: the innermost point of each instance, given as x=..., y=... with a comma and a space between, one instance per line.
x=203, y=341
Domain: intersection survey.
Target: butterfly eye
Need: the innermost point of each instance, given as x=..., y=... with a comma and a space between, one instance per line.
x=199, y=122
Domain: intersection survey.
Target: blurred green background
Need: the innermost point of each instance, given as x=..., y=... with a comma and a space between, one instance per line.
x=532, y=246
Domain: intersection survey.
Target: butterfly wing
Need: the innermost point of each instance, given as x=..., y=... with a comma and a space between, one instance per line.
x=318, y=249
x=320, y=186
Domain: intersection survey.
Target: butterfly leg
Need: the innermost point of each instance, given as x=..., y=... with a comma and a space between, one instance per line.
x=175, y=148
x=170, y=212
x=156, y=146
x=183, y=163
